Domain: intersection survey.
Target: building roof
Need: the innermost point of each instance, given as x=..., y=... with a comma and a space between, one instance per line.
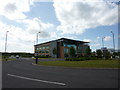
x=62, y=39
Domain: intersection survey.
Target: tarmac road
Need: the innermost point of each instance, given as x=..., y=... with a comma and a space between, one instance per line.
x=22, y=74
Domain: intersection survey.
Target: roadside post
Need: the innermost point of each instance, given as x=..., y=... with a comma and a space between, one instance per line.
x=36, y=58
x=36, y=54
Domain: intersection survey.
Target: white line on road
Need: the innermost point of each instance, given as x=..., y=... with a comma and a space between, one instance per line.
x=36, y=79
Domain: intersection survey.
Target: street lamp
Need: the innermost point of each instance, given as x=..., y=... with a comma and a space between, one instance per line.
x=6, y=41
x=36, y=61
x=103, y=47
x=103, y=41
x=113, y=40
x=37, y=38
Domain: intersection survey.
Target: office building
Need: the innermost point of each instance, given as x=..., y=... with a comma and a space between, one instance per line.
x=61, y=46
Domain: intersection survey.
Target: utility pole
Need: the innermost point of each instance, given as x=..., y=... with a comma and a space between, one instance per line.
x=103, y=42
x=113, y=41
x=6, y=41
x=36, y=61
x=37, y=38
x=103, y=46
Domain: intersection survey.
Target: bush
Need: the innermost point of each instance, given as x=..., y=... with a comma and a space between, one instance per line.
x=44, y=56
x=81, y=59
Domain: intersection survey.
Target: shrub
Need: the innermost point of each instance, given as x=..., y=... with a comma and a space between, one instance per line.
x=72, y=52
x=44, y=56
x=81, y=59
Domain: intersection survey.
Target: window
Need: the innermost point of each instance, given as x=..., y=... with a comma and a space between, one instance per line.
x=43, y=47
x=66, y=50
x=43, y=51
x=47, y=51
x=69, y=45
x=47, y=47
x=37, y=48
x=39, y=51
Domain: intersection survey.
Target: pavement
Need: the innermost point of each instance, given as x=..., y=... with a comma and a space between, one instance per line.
x=22, y=73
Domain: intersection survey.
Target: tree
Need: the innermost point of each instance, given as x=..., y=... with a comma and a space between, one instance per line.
x=88, y=52
x=93, y=54
x=72, y=51
x=116, y=54
x=107, y=55
x=66, y=55
x=99, y=53
x=55, y=51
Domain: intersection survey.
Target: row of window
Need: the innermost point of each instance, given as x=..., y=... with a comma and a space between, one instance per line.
x=43, y=51
x=43, y=47
x=79, y=50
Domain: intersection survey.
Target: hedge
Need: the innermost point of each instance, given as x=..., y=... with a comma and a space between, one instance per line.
x=43, y=56
x=81, y=59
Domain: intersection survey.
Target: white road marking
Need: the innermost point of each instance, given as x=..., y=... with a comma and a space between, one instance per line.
x=36, y=79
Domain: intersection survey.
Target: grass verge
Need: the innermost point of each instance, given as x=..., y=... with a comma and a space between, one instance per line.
x=86, y=64
x=9, y=59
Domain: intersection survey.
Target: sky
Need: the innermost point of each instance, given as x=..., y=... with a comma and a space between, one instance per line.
x=82, y=20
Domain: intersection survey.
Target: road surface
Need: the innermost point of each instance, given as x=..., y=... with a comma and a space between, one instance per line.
x=22, y=74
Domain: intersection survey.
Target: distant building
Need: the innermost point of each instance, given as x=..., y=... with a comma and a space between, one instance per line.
x=111, y=50
x=104, y=49
x=62, y=47
x=118, y=50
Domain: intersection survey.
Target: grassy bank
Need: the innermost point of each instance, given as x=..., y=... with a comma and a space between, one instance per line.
x=87, y=64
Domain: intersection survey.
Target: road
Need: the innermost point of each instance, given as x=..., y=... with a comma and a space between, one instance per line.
x=22, y=74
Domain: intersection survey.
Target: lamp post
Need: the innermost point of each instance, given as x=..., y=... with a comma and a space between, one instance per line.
x=37, y=38
x=103, y=46
x=36, y=61
x=113, y=41
x=103, y=41
x=6, y=41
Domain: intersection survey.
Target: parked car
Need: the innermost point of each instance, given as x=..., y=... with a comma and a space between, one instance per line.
x=17, y=56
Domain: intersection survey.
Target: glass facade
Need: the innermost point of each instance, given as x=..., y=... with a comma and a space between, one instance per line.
x=66, y=50
x=69, y=45
x=80, y=49
x=47, y=47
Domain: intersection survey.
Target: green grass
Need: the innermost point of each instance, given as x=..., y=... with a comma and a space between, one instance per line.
x=86, y=64
x=42, y=58
x=8, y=59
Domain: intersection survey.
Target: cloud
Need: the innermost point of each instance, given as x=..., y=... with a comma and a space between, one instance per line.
x=15, y=33
x=76, y=16
x=87, y=40
x=17, y=38
x=98, y=37
x=95, y=45
x=35, y=25
x=108, y=38
x=96, y=40
x=10, y=8
x=14, y=9
x=22, y=40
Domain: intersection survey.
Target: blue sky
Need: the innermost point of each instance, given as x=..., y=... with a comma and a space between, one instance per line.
x=79, y=20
